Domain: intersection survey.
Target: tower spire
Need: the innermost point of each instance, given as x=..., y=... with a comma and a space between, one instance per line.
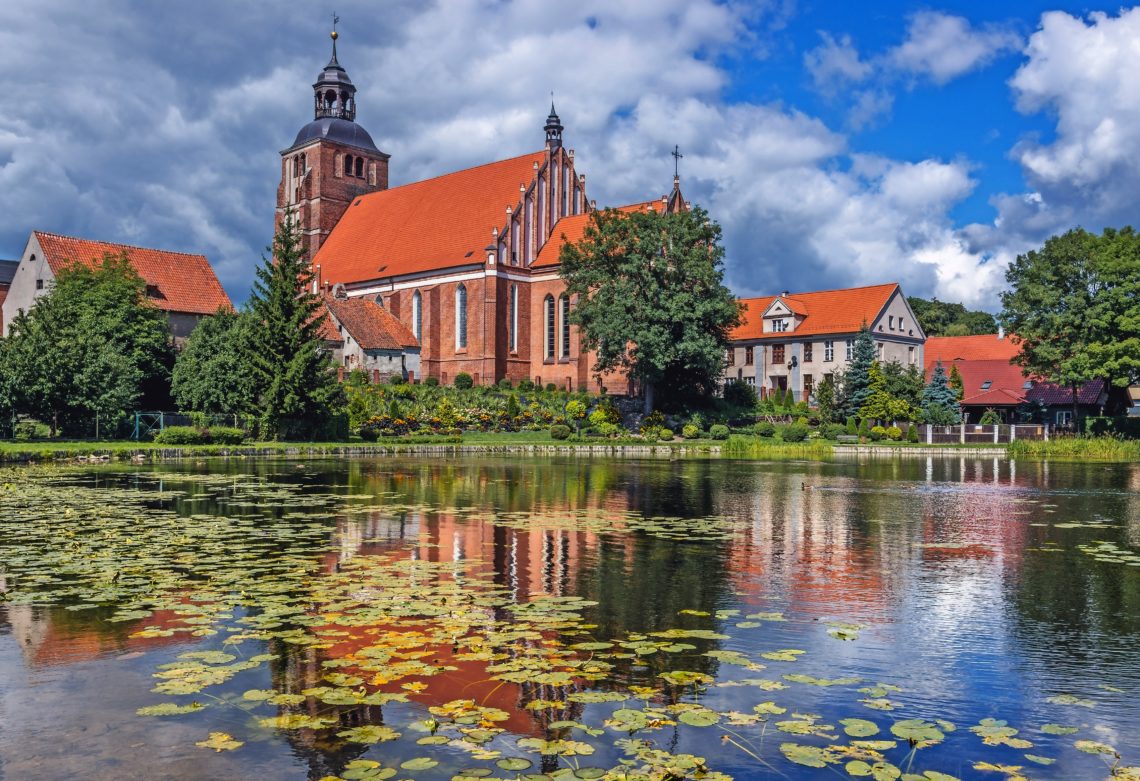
x=553, y=128
x=334, y=35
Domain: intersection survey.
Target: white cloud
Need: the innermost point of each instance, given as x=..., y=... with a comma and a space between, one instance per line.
x=942, y=47
x=835, y=64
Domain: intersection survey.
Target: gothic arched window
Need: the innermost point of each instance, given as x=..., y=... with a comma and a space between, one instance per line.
x=417, y=315
x=514, y=315
x=564, y=311
x=548, y=318
x=348, y=165
x=360, y=167
x=461, y=317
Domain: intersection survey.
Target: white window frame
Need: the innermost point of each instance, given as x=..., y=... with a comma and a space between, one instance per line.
x=829, y=351
x=461, y=317
x=417, y=316
x=850, y=350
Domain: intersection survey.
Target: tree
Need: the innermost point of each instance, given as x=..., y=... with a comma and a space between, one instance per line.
x=650, y=299
x=957, y=383
x=857, y=378
x=939, y=401
x=881, y=404
x=212, y=373
x=297, y=389
x=825, y=400
x=939, y=318
x=904, y=382
x=1049, y=308
x=1115, y=314
x=88, y=348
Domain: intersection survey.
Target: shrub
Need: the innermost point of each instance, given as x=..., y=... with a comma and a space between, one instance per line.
x=397, y=379
x=25, y=431
x=764, y=429
x=505, y=384
x=226, y=435
x=740, y=394
x=802, y=419
x=551, y=387
x=864, y=429
x=526, y=385
x=990, y=418
x=369, y=434
x=851, y=429
x=609, y=429
x=689, y=431
x=513, y=409
x=894, y=433
x=560, y=432
x=598, y=417
x=877, y=433
x=912, y=434
x=796, y=432
x=393, y=409
x=697, y=420
x=665, y=434
x=718, y=431
x=833, y=430
x=431, y=382
x=182, y=435
x=463, y=381
x=653, y=421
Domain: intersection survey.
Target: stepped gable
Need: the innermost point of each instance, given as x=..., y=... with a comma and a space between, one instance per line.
x=372, y=326
x=179, y=282
x=424, y=226
x=571, y=229
x=824, y=312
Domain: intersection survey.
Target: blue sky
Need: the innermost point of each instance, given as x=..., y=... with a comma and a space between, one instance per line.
x=837, y=143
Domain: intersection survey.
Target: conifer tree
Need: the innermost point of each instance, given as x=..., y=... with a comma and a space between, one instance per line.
x=857, y=379
x=939, y=402
x=956, y=383
x=298, y=392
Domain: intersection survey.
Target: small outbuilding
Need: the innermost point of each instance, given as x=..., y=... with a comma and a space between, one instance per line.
x=361, y=334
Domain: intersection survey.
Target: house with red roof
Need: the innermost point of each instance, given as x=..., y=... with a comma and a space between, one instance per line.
x=794, y=341
x=466, y=261
x=362, y=335
x=182, y=285
x=992, y=382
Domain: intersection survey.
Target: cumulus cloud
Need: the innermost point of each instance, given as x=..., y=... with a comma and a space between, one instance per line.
x=943, y=47
x=835, y=64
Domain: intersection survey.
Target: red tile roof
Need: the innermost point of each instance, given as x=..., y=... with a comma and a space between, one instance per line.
x=986, y=347
x=372, y=326
x=1008, y=385
x=825, y=312
x=434, y=224
x=571, y=229
x=185, y=283
x=1053, y=394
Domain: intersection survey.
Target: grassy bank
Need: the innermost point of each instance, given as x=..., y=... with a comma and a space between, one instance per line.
x=1078, y=449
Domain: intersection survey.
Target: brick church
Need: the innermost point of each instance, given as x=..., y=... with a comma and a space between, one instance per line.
x=467, y=261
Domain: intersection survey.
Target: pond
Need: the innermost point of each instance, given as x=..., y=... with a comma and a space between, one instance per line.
x=570, y=618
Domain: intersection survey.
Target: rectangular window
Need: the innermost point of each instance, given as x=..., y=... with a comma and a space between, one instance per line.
x=901, y=326
x=514, y=318
x=879, y=351
x=1064, y=417
x=779, y=326
x=850, y=349
x=987, y=384
x=39, y=284
x=910, y=355
x=809, y=385
x=807, y=353
x=891, y=322
x=750, y=380
x=747, y=356
x=828, y=352
x=777, y=353
x=731, y=356
x=565, y=326
x=548, y=316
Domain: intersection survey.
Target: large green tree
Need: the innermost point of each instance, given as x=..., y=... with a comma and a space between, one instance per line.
x=651, y=299
x=297, y=390
x=212, y=372
x=1115, y=314
x=941, y=318
x=857, y=377
x=939, y=401
x=89, y=348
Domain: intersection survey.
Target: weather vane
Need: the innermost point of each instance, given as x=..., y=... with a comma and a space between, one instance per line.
x=335, y=20
x=677, y=161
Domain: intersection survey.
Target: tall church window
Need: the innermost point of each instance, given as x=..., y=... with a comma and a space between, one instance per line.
x=348, y=165
x=564, y=306
x=417, y=315
x=540, y=227
x=514, y=314
x=529, y=230
x=360, y=167
x=461, y=317
x=548, y=316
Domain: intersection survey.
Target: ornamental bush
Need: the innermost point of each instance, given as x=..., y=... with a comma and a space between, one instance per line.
x=526, y=385
x=894, y=433
x=397, y=379
x=513, y=409
x=560, y=432
x=505, y=384
x=463, y=381
x=912, y=434
x=718, y=431
x=877, y=433
x=551, y=387
x=182, y=435
x=852, y=430
x=864, y=429
x=609, y=429
x=740, y=394
x=226, y=435
x=796, y=432
x=764, y=429
x=431, y=382
x=833, y=430
x=665, y=434
x=689, y=431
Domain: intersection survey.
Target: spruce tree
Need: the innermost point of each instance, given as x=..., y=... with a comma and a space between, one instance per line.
x=939, y=401
x=956, y=383
x=857, y=379
x=298, y=391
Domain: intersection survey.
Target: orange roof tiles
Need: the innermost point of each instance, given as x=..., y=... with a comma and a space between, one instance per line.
x=986, y=347
x=185, y=283
x=371, y=325
x=572, y=228
x=424, y=226
x=825, y=312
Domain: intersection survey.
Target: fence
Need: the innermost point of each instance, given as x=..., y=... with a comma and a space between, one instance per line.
x=977, y=434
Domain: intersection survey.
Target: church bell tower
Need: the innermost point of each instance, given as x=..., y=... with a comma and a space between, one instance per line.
x=332, y=160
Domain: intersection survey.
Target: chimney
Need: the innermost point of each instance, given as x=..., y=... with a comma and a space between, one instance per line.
x=1001, y=332
x=785, y=294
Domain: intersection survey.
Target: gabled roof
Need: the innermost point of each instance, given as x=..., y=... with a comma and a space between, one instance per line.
x=1007, y=385
x=571, y=229
x=824, y=312
x=1053, y=394
x=183, y=283
x=370, y=325
x=985, y=347
x=424, y=226
x=8, y=270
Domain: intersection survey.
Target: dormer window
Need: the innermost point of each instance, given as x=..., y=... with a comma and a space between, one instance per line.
x=780, y=325
x=1028, y=385
x=986, y=385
